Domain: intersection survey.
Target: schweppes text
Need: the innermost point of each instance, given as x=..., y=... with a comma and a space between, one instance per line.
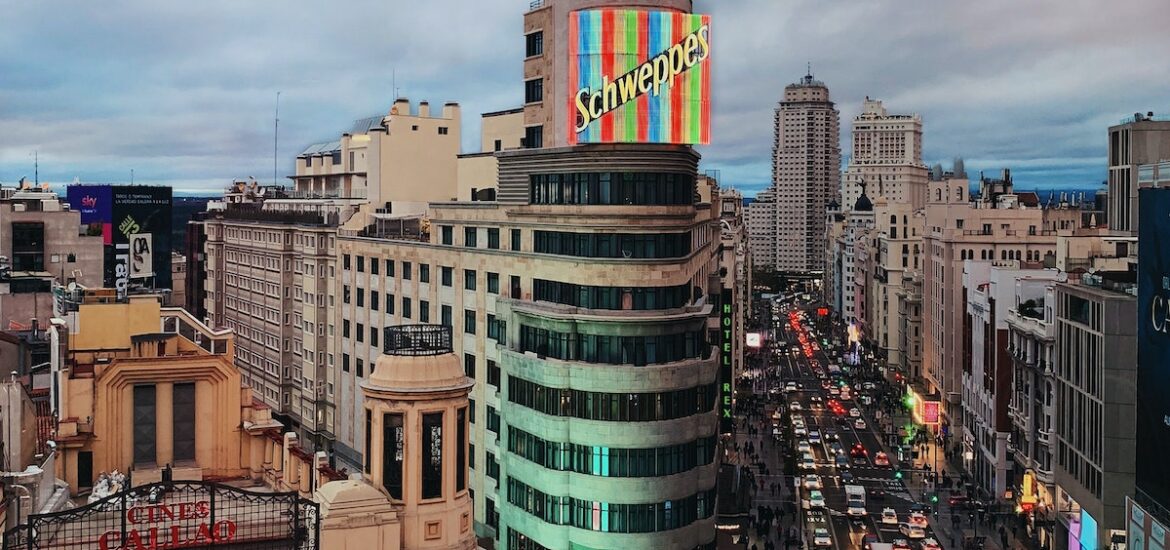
x=650, y=76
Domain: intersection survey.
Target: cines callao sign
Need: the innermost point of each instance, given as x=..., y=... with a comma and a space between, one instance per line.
x=639, y=76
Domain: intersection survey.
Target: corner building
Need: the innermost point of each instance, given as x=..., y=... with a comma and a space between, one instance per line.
x=580, y=307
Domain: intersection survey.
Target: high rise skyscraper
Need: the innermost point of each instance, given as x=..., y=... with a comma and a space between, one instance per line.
x=789, y=233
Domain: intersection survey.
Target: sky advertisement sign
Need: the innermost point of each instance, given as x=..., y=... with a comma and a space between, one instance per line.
x=135, y=224
x=1153, y=383
x=639, y=76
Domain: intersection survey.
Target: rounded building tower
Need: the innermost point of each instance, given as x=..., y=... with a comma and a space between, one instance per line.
x=416, y=436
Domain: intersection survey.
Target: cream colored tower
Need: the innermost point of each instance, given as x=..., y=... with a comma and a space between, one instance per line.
x=416, y=436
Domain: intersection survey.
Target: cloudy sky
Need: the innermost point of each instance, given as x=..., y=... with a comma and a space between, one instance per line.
x=183, y=92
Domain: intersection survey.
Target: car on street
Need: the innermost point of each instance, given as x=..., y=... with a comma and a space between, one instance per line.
x=957, y=501
x=790, y=387
x=881, y=459
x=816, y=499
x=812, y=481
x=917, y=519
x=837, y=448
x=868, y=541
x=834, y=391
x=814, y=436
x=847, y=477
x=858, y=450
x=821, y=537
x=877, y=494
x=911, y=531
x=794, y=406
x=855, y=413
x=889, y=516
x=804, y=446
x=829, y=434
x=807, y=463
x=799, y=430
x=859, y=424
x=900, y=544
x=929, y=544
x=842, y=462
x=825, y=384
x=867, y=386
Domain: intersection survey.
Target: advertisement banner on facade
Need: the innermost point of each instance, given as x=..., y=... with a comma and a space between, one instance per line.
x=1153, y=380
x=141, y=256
x=118, y=212
x=638, y=76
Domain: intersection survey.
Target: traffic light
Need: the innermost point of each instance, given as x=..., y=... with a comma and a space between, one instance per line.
x=934, y=498
x=898, y=474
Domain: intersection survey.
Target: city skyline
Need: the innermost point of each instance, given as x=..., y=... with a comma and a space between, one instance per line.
x=196, y=110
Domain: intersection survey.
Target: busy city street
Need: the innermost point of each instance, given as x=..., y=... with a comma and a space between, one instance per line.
x=831, y=439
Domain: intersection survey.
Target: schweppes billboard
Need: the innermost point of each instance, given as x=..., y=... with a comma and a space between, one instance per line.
x=639, y=76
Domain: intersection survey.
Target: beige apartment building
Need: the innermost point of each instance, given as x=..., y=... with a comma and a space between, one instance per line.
x=1001, y=225
x=1137, y=140
x=585, y=299
x=788, y=228
x=41, y=239
x=886, y=154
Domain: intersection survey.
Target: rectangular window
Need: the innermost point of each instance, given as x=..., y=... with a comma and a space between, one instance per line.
x=442, y=130
x=534, y=43
x=361, y=332
x=445, y=276
x=345, y=328
x=461, y=449
x=374, y=263
x=493, y=282
x=345, y=294
x=493, y=238
x=369, y=452
x=374, y=300
x=469, y=321
x=345, y=262
x=361, y=296
x=345, y=362
x=361, y=368
x=468, y=279
x=445, y=316
x=406, y=309
x=389, y=268
x=447, y=235
x=470, y=235
x=374, y=337
x=534, y=90
x=469, y=365
x=534, y=137
x=405, y=271
x=393, y=453
x=516, y=240
x=515, y=287
x=424, y=273
x=184, y=420
x=432, y=455
x=361, y=264
x=144, y=425
x=493, y=373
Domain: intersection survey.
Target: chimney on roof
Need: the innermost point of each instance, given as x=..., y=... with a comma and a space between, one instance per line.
x=401, y=107
x=424, y=109
x=451, y=110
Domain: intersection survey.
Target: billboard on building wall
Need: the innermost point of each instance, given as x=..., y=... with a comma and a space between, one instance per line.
x=726, y=371
x=638, y=76
x=1153, y=383
x=120, y=213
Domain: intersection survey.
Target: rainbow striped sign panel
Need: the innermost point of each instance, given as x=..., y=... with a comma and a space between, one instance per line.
x=639, y=76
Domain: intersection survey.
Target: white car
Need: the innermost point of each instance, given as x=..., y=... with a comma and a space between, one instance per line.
x=859, y=424
x=804, y=446
x=821, y=537
x=889, y=516
x=801, y=431
x=790, y=387
x=855, y=413
x=911, y=531
x=794, y=406
x=812, y=481
x=816, y=499
x=808, y=463
x=814, y=436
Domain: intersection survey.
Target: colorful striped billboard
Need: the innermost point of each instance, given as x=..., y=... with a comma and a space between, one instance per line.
x=639, y=76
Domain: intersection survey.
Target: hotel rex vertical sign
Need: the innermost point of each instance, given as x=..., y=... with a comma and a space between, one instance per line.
x=726, y=334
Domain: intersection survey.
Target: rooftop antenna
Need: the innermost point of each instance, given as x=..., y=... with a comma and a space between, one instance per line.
x=36, y=167
x=810, y=69
x=131, y=176
x=275, y=137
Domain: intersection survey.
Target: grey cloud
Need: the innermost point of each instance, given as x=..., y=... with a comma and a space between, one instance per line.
x=184, y=92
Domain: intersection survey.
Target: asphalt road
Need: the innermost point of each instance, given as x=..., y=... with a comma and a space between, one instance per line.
x=847, y=533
